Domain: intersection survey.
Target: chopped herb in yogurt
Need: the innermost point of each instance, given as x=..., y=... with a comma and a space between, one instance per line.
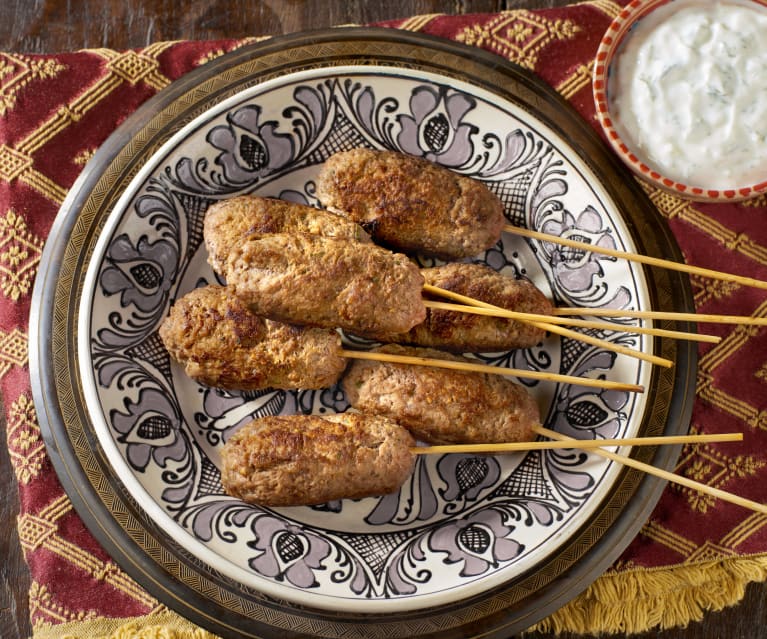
x=688, y=91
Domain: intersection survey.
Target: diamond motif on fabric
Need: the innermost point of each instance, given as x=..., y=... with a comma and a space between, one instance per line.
x=755, y=202
x=20, y=253
x=14, y=350
x=669, y=538
x=518, y=35
x=216, y=53
x=609, y=7
x=707, y=465
x=670, y=206
x=33, y=531
x=25, y=445
x=708, y=290
x=577, y=81
x=12, y=163
x=17, y=71
x=133, y=67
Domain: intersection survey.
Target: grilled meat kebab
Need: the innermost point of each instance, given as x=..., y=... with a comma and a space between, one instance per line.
x=232, y=220
x=291, y=460
x=441, y=406
x=222, y=344
x=411, y=204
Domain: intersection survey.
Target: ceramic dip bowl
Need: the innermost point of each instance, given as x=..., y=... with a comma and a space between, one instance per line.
x=680, y=88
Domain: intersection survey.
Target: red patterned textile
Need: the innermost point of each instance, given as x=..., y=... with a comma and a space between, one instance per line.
x=56, y=110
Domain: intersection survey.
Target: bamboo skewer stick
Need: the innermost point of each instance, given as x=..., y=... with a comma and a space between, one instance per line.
x=663, y=315
x=663, y=474
x=648, y=357
x=606, y=326
x=635, y=257
x=595, y=341
x=587, y=444
x=492, y=370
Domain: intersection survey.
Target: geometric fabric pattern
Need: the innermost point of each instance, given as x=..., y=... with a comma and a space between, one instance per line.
x=56, y=110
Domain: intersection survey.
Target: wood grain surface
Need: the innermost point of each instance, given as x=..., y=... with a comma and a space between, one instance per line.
x=49, y=26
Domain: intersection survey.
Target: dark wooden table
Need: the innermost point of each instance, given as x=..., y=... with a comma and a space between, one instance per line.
x=48, y=26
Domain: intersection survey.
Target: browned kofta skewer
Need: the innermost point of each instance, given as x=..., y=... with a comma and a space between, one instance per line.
x=411, y=204
x=360, y=288
x=319, y=274
x=298, y=460
x=462, y=332
x=441, y=406
x=302, y=460
x=328, y=282
x=292, y=460
x=222, y=344
x=230, y=221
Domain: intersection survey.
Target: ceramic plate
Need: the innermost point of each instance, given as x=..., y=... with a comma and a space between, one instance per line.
x=470, y=544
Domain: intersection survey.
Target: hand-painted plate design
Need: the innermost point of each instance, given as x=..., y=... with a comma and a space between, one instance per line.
x=464, y=526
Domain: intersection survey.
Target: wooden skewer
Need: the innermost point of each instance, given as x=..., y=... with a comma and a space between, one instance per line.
x=635, y=257
x=552, y=328
x=595, y=341
x=587, y=444
x=663, y=315
x=606, y=326
x=664, y=474
x=493, y=370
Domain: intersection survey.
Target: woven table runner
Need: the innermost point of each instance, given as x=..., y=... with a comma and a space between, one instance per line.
x=694, y=554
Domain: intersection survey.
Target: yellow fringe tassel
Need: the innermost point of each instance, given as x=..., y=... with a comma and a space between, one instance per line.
x=625, y=601
x=636, y=600
x=164, y=625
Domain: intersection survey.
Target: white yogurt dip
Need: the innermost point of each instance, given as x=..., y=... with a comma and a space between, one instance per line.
x=688, y=92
